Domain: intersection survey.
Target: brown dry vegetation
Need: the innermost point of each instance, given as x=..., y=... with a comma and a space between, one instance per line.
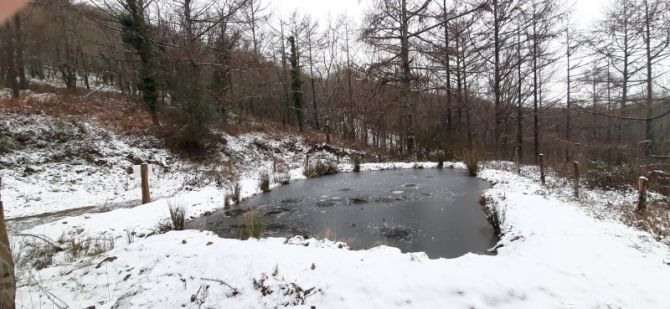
x=112, y=110
x=125, y=115
x=655, y=219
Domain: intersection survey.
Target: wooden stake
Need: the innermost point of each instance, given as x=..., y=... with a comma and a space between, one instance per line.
x=642, y=184
x=144, y=173
x=542, y=176
x=7, y=278
x=576, y=167
x=518, y=160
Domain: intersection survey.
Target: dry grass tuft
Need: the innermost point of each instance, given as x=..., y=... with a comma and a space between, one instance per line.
x=264, y=184
x=237, y=192
x=253, y=225
x=177, y=214
x=472, y=162
x=320, y=168
x=357, y=165
x=655, y=219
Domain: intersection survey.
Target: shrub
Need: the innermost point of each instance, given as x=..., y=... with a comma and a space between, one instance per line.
x=440, y=160
x=35, y=253
x=655, y=219
x=471, y=162
x=163, y=226
x=264, y=183
x=320, y=168
x=75, y=246
x=357, y=165
x=177, y=214
x=101, y=245
x=602, y=175
x=192, y=111
x=189, y=140
x=61, y=132
x=7, y=144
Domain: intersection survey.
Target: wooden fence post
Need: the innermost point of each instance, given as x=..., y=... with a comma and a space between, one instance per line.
x=518, y=160
x=327, y=130
x=642, y=183
x=144, y=174
x=576, y=167
x=7, y=278
x=542, y=176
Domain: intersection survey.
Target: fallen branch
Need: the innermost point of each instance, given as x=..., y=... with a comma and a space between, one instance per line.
x=235, y=291
x=582, y=110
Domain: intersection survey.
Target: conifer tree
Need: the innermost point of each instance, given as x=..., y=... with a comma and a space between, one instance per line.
x=135, y=32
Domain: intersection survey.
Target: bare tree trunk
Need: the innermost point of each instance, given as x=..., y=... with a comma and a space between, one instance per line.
x=406, y=78
x=350, y=119
x=20, y=62
x=626, y=77
x=609, y=109
x=284, y=78
x=536, y=116
x=311, y=75
x=497, y=77
x=519, y=110
x=448, y=69
x=568, y=119
x=11, y=61
x=649, y=130
x=466, y=95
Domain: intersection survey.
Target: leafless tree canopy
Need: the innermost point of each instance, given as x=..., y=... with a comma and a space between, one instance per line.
x=413, y=77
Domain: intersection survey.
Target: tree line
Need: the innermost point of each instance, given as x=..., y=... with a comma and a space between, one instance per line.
x=416, y=77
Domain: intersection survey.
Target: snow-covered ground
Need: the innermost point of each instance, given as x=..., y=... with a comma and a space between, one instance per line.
x=557, y=251
x=553, y=255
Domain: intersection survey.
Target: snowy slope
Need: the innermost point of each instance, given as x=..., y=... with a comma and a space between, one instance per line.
x=52, y=165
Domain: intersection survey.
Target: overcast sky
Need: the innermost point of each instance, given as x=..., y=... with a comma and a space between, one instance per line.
x=586, y=11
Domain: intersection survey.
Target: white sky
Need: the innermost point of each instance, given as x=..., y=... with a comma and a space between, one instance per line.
x=320, y=9
x=586, y=11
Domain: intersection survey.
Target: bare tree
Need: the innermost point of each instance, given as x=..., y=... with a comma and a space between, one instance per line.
x=390, y=29
x=656, y=36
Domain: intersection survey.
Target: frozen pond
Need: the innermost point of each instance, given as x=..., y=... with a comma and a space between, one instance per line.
x=421, y=210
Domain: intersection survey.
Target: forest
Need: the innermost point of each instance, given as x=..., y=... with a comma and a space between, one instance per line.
x=503, y=78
